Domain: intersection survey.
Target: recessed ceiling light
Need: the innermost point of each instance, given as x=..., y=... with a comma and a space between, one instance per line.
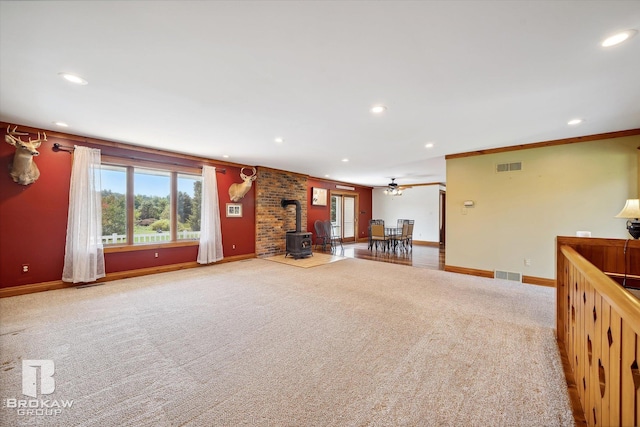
x=279, y=140
x=345, y=160
x=378, y=109
x=73, y=78
x=61, y=124
x=574, y=122
x=226, y=156
x=429, y=145
x=619, y=38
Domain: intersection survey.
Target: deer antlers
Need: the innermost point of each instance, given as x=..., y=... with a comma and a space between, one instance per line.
x=13, y=138
x=245, y=177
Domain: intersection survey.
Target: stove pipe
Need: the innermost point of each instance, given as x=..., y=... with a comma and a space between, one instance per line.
x=285, y=203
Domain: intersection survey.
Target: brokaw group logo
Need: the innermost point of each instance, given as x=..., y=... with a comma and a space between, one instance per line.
x=30, y=377
x=35, y=406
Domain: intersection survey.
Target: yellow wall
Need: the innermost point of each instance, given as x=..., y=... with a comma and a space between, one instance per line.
x=517, y=215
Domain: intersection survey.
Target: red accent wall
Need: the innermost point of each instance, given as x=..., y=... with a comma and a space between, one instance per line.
x=322, y=213
x=240, y=232
x=33, y=219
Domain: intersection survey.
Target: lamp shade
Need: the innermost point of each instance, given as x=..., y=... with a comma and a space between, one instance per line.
x=631, y=209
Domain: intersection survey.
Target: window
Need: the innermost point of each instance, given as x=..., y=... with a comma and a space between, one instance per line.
x=114, y=209
x=152, y=206
x=189, y=202
x=149, y=205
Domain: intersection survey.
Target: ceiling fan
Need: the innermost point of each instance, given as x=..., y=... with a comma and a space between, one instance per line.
x=393, y=188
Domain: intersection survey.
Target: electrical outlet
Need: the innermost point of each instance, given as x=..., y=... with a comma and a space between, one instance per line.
x=527, y=262
x=233, y=247
x=25, y=268
x=156, y=254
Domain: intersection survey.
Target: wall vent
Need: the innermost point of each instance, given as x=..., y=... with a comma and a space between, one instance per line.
x=509, y=167
x=507, y=275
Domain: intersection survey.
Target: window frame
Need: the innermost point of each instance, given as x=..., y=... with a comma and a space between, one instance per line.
x=174, y=170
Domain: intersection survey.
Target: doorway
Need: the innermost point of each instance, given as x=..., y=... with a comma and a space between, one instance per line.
x=343, y=215
x=443, y=216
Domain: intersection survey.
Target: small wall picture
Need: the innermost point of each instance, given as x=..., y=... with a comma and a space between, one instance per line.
x=319, y=197
x=234, y=210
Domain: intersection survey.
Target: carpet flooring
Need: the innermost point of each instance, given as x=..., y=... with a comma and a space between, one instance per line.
x=259, y=343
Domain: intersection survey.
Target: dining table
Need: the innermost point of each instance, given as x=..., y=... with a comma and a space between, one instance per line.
x=392, y=233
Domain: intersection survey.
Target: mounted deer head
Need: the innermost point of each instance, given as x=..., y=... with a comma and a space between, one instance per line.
x=238, y=191
x=23, y=169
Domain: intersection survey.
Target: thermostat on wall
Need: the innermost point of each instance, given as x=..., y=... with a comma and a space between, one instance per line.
x=468, y=204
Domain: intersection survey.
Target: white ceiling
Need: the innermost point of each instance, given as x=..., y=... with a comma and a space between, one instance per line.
x=225, y=78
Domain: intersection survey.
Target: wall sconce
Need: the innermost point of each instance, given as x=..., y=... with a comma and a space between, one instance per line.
x=631, y=211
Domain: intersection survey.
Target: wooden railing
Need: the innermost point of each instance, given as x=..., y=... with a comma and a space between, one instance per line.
x=598, y=323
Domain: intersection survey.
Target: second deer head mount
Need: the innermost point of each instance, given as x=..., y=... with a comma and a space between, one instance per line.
x=238, y=190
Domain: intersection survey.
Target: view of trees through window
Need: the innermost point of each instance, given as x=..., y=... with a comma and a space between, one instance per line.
x=151, y=205
x=114, y=201
x=188, y=208
x=152, y=208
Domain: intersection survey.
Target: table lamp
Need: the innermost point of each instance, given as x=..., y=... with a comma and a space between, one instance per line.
x=631, y=211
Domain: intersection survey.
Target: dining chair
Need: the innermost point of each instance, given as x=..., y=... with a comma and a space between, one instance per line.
x=378, y=236
x=321, y=234
x=372, y=222
x=399, y=239
x=410, y=233
x=334, y=237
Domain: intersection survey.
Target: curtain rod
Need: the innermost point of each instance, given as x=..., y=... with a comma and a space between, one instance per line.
x=59, y=147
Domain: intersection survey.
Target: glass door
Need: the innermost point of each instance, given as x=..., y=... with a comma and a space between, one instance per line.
x=336, y=214
x=343, y=216
x=349, y=218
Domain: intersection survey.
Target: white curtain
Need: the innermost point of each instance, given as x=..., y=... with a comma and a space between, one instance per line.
x=210, y=233
x=84, y=255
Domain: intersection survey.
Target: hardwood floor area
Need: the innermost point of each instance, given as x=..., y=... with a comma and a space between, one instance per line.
x=420, y=256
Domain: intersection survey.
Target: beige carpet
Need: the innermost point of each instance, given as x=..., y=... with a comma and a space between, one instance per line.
x=312, y=261
x=258, y=343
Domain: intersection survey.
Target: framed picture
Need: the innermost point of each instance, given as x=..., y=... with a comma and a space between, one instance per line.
x=234, y=210
x=319, y=196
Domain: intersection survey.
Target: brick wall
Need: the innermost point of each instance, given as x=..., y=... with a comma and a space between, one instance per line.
x=272, y=220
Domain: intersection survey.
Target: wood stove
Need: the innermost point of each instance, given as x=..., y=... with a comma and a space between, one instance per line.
x=298, y=243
